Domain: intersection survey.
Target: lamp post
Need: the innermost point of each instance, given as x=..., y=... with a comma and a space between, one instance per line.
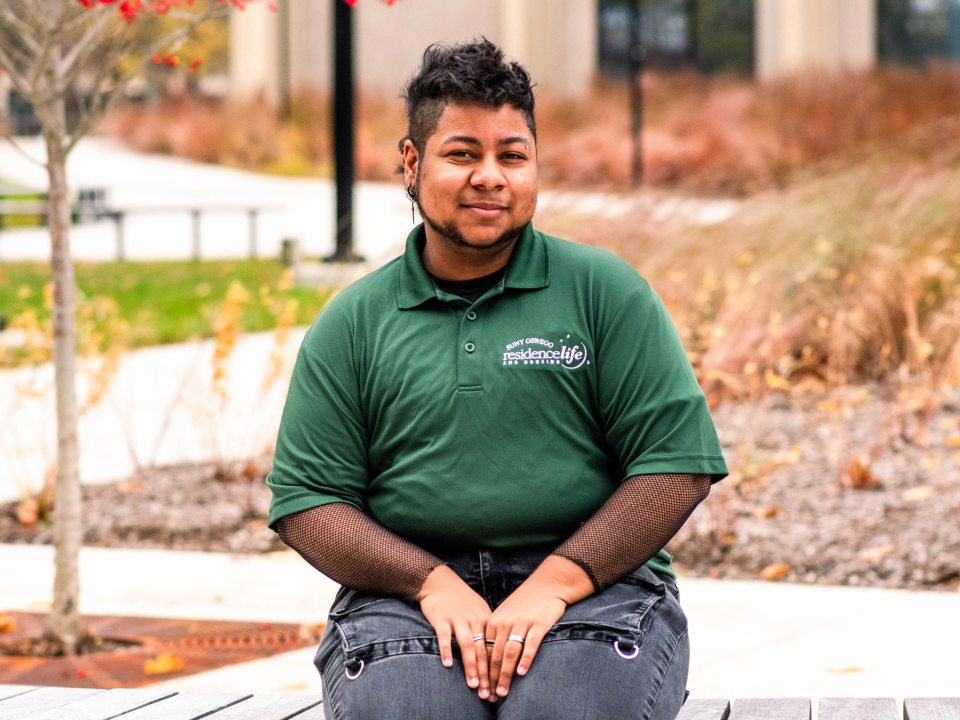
x=343, y=130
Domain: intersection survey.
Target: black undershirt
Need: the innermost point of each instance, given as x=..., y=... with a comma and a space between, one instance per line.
x=471, y=289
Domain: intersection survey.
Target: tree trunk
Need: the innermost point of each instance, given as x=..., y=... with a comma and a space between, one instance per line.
x=64, y=621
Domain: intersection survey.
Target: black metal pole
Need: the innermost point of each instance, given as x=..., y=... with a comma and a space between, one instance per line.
x=636, y=90
x=343, y=138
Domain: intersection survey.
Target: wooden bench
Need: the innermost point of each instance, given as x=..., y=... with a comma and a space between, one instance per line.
x=21, y=702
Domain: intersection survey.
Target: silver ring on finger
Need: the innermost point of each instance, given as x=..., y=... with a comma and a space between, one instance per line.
x=516, y=638
x=478, y=637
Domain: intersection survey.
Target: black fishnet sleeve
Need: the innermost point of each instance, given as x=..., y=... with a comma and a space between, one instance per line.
x=352, y=548
x=633, y=524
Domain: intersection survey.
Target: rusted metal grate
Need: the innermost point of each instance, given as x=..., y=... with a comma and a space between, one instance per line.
x=201, y=645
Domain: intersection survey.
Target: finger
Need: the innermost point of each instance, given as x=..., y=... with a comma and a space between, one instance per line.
x=496, y=659
x=483, y=669
x=531, y=644
x=468, y=654
x=443, y=640
x=511, y=654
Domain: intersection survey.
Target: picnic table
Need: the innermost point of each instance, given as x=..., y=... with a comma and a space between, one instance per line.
x=22, y=702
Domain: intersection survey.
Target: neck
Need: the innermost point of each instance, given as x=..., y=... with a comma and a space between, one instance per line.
x=451, y=262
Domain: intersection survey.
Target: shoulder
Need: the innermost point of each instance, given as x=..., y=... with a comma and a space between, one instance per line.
x=356, y=306
x=575, y=264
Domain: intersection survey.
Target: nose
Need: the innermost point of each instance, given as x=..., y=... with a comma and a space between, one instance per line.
x=488, y=175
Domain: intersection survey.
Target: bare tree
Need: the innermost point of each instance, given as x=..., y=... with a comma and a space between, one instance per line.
x=78, y=54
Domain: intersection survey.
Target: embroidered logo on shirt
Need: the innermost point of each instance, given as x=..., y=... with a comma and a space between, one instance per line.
x=567, y=352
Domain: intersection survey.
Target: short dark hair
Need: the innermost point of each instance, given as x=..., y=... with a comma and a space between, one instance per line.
x=472, y=73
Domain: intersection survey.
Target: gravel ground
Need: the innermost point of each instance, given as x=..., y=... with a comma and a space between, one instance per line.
x=861, y=487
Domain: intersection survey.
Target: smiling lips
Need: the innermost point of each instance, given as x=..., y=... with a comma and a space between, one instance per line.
x=485, y=209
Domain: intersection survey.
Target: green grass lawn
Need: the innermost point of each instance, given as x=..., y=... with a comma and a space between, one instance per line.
x=164, y=302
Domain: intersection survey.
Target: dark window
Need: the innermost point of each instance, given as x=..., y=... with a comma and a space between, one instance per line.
x=709, y=35
x=916, y=31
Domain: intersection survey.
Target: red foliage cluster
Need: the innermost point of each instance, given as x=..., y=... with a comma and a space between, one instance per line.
x=131, y=9
x=174, y=61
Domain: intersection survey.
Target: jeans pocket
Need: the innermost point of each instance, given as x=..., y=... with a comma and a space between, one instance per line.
x=367, y=627
x=619, y=614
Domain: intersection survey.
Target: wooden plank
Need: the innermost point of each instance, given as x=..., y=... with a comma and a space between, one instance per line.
x=314, y=713
x=9, y=691
x=771, y=709
x=21, y=706
x=943, y=708
x=105, y=705
x=706, y=709
x=270, y=706
x=188, y=706
x=857, y=709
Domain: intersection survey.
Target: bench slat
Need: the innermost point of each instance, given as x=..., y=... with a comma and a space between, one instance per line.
x=9, y=691
x=187, y=707
x=857, y=709
x=706, y=709
x=105, y=705
x=930, y=708
x=35, y=701
x=771, y=709
x=314, y=713
x=271, y=706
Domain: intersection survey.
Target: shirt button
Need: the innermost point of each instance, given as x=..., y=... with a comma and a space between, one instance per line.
x=471, y=315
x=469, y=347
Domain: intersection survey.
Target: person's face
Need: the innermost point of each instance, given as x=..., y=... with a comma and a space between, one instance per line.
x=476, y=179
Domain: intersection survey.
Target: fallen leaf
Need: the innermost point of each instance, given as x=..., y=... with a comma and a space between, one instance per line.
x=774, y=381
x=918, y=493
x=878, y=553
x=28, y=512
x=130, y=486
x=851, y=669
x=163, y=664
x=860, y=475
x=928, y=463
x=7, y=624
x=831, y=405
x=767, y=512
x=776, y=571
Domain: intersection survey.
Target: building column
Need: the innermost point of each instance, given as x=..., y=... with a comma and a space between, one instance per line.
x=254, y=54
x=556, y=40
x=796, y=35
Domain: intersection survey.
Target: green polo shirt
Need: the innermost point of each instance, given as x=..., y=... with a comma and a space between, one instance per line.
x=500, y=423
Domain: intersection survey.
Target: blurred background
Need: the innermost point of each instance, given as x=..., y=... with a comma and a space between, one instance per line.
x=785, y=173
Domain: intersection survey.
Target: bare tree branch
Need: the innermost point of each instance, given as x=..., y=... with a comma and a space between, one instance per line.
x=24, y=31
x=10, y=68
x=85, y=46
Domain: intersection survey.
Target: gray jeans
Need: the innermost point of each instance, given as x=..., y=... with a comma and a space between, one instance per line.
x=620, y=653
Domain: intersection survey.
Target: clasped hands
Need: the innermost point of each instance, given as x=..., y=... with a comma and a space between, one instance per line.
x=490, y=640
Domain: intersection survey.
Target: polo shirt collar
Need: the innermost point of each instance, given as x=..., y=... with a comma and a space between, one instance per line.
x=528, y=268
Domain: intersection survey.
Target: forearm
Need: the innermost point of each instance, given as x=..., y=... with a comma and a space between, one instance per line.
x=634, y=523
x=352, y=548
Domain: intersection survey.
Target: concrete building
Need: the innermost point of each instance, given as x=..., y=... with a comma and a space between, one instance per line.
x=556, y=39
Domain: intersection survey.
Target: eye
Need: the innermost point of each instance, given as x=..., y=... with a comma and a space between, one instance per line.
x=460, y=154
x=514, y=156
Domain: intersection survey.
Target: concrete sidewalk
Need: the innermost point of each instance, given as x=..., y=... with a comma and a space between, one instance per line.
x=749, y=639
